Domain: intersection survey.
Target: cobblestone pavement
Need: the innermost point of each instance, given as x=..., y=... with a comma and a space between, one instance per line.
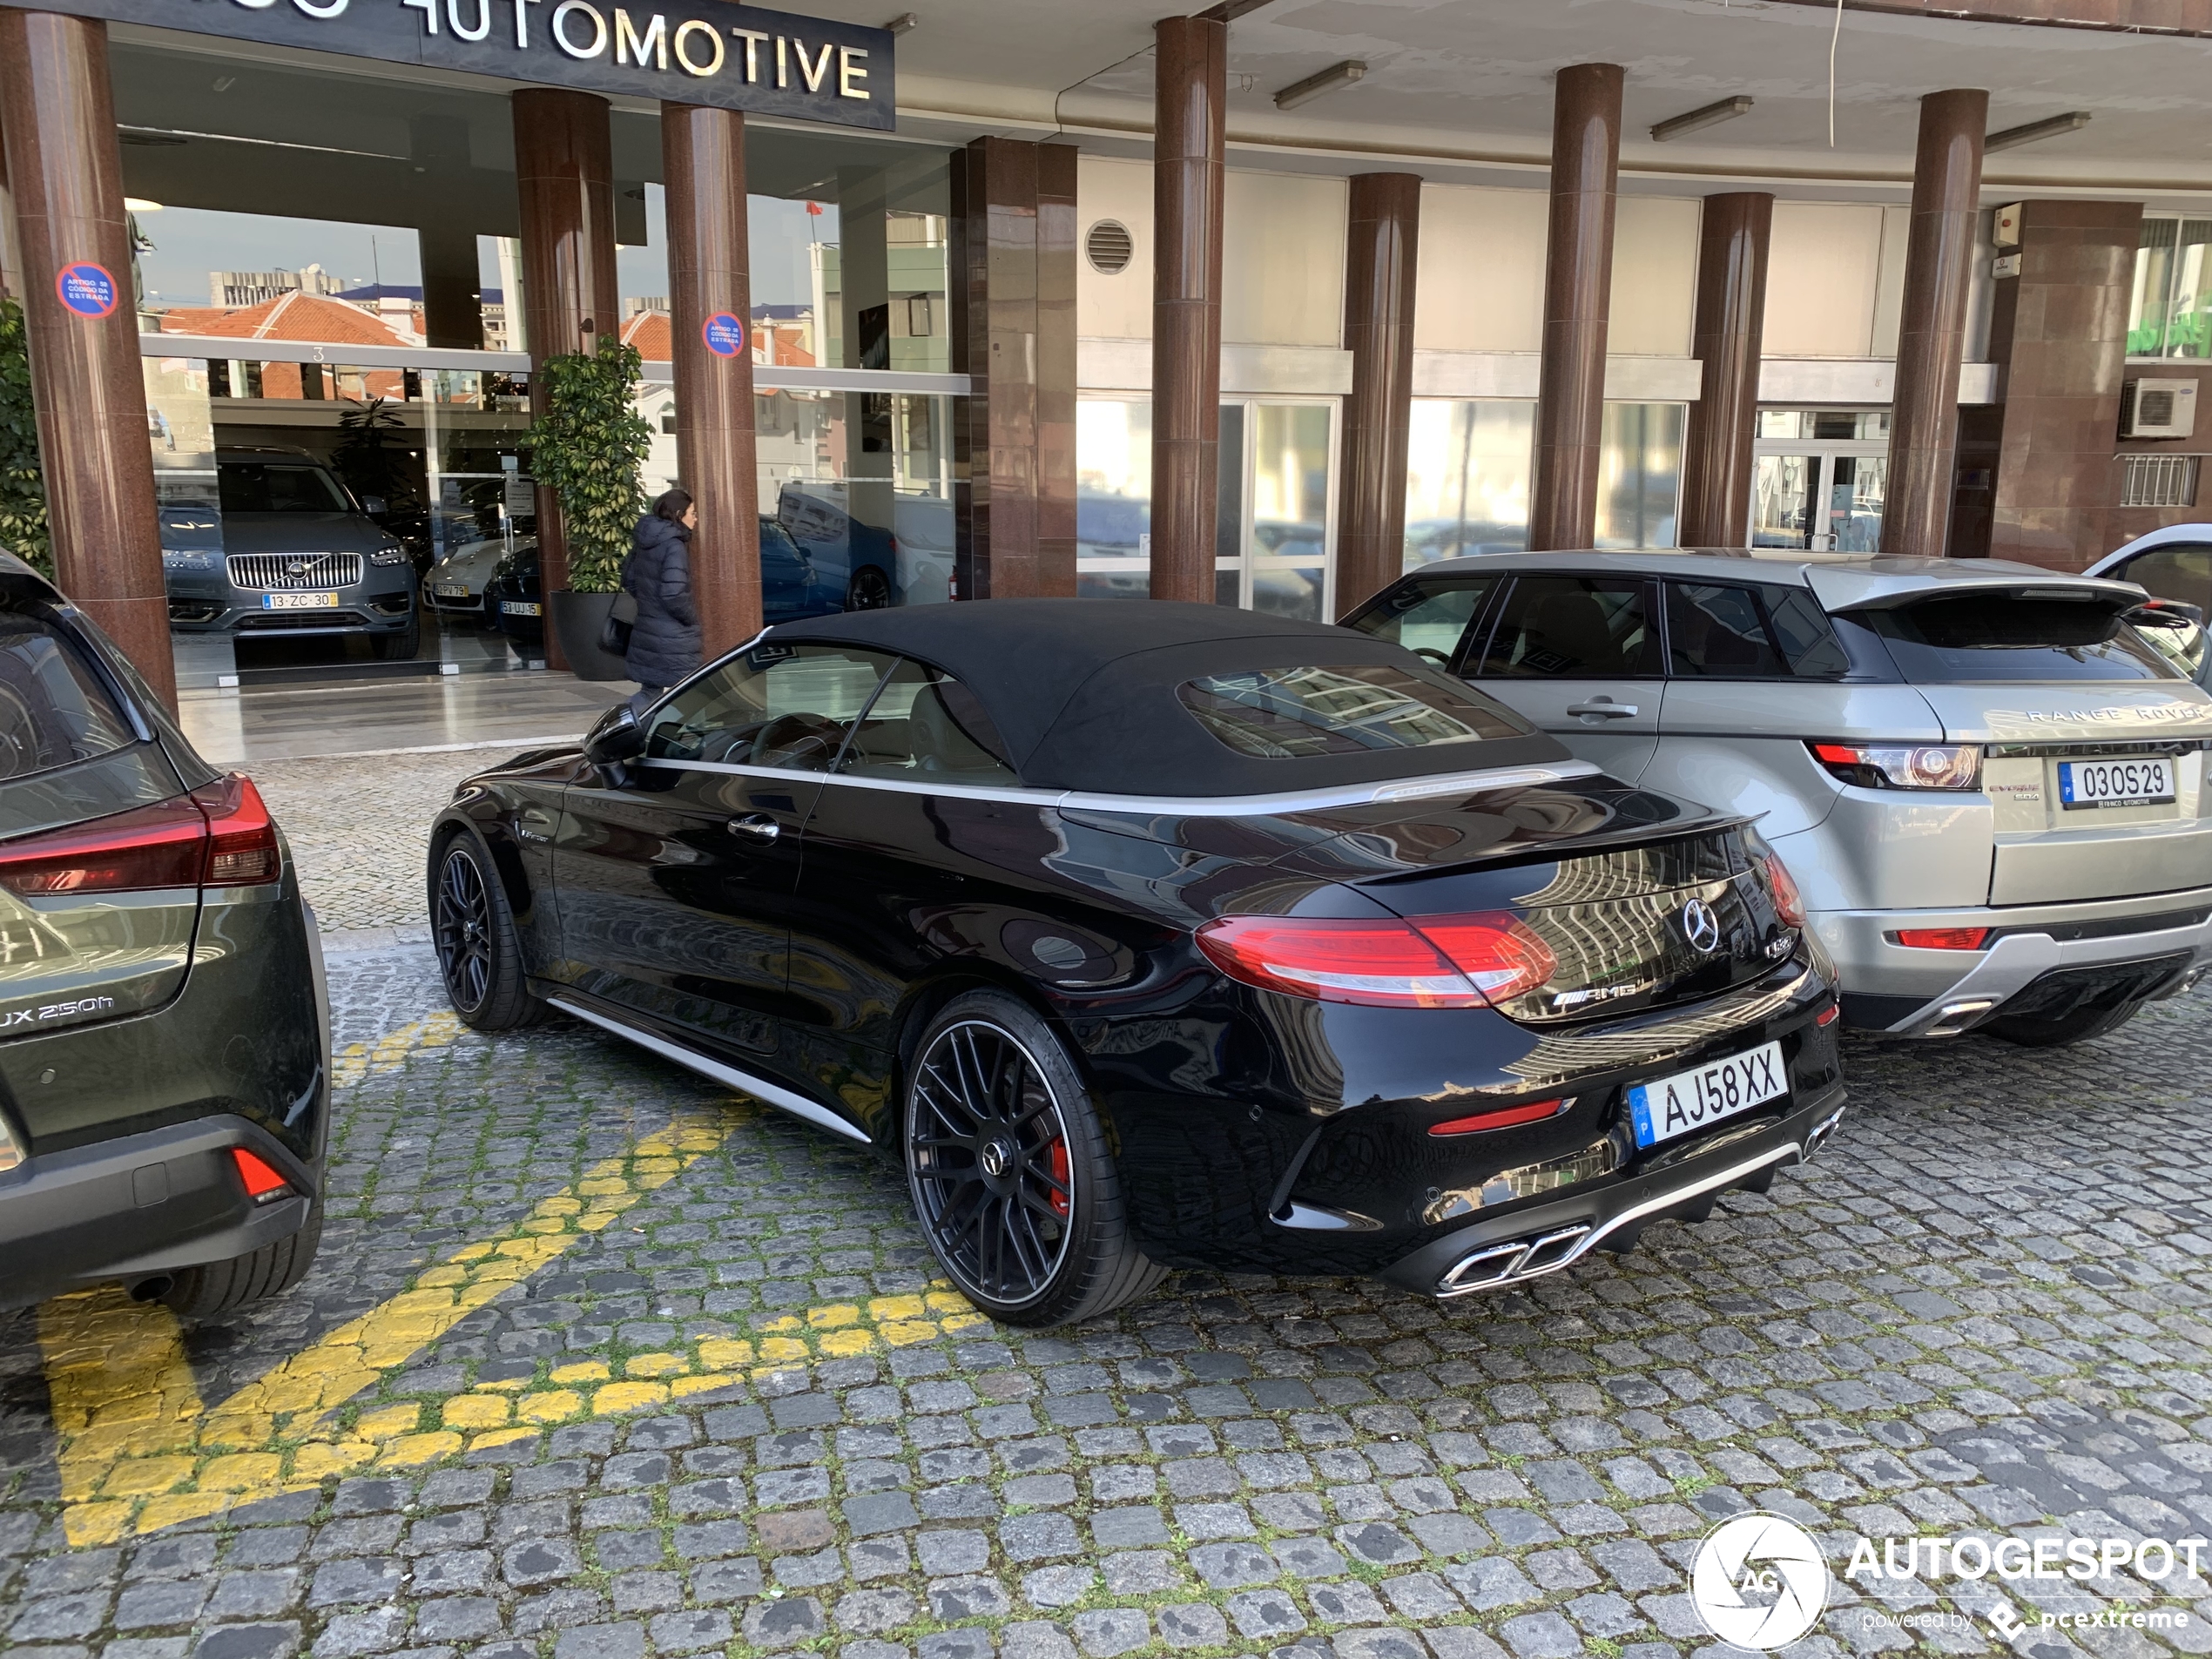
x=358, y=825
x=596, y=1364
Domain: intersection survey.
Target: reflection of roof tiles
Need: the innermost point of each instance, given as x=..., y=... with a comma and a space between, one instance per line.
x=648, y=331
x=291, y=316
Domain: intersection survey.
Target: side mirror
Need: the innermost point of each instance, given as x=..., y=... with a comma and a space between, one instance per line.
x=372, y=505
x=615, y=739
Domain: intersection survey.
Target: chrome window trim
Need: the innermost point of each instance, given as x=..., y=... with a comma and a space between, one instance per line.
x=1307, y=800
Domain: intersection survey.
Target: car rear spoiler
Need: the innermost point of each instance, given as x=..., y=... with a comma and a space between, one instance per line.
x=2118, y=595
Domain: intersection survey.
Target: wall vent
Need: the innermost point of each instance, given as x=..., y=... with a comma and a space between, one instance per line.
x=1109, y=247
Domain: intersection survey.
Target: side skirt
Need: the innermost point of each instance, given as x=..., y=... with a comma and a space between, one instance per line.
x=774, y=1094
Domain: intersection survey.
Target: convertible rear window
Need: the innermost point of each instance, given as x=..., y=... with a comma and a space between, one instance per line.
x=1290, y=713
x=2010, y=636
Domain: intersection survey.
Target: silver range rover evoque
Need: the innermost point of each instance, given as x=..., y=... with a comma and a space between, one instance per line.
x=1991, y=791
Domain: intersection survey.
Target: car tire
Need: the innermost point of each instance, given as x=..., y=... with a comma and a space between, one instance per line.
x=994, y=1101
x=401, y=647
x=869, y=590
x=2031, y=1031
x=219, y=1287
x=480, y=949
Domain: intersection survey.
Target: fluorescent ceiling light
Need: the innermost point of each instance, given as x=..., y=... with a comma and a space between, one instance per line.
x=1727, y=110
x=1313, y=85
x=2072, y=121
x=139, y=204
x=903, y=22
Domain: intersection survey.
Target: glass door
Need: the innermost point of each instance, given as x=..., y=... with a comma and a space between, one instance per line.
x=1819, y=479
x=1278, y=484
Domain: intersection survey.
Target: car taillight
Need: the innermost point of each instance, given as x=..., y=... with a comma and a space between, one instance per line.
x=1942, y=938
x=152, y=847
x=242, y=845
x=1902, y=765
x=264, y=1184
x=1789, y=903
x=1528, y=1111
x=1443, y=962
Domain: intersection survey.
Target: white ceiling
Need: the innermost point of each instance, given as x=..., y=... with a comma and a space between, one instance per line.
x=1468, y=81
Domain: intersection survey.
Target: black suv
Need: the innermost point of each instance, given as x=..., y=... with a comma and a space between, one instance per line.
x=290, y=552
x=164, y=1078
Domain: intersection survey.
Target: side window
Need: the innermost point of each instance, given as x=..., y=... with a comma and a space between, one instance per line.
x=926, y=726
x=2181, y=571
x=1720, y=630
x=1574, y=627
x=1428, y=616
x=777, y=705
x=53, y=709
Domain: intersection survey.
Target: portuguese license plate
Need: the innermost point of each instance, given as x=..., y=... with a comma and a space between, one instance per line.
x=519, y=608
x=299, y=601
x=452, y=590
x=2140, y=780
x=1668, y=1108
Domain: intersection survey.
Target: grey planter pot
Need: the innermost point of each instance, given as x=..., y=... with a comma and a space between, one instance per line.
x=578, y=619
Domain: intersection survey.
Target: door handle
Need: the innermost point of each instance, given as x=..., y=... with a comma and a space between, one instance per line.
x=758, y=826
x=1603, y=708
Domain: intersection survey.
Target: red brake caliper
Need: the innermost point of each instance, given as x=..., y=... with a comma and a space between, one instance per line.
x=1060, y=1175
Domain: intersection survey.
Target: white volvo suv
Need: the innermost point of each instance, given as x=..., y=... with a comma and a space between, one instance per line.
x=1991, y=790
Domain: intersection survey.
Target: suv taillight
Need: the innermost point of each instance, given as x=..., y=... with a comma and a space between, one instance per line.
x=1902, y=765
x=242, y=838
x=1466, y=961
x=221, y=836
x=152, y=847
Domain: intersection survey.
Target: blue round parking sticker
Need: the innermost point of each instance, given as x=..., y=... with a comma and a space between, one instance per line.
x=724, y=334
x=86, y=289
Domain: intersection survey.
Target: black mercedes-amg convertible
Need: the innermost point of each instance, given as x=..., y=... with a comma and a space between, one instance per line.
x=1150, y=935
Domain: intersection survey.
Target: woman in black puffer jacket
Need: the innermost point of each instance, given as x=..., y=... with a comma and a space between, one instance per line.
x=664, y=640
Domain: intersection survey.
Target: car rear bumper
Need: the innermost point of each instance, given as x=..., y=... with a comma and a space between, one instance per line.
x=1906, y=991
x=142, y=1206
x=1530, y=1243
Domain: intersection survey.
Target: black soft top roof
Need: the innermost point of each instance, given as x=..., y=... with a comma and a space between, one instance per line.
x=1083, y=690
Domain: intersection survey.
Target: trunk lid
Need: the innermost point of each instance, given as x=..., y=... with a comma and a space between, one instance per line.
x=1640, y=901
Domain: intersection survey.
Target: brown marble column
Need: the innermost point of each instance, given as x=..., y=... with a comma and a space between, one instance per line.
x=1731, y=310
x=1381, y=252
x=1578, y=298
x=58, y=118
x=1014, y=335
x=709, y=275
x=564, y=176
x=1932, y=328
x=1187, y=148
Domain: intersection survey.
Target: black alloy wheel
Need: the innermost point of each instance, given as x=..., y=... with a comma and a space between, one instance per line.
x=869, y=590
x=1008, y=1163
x=479, y=952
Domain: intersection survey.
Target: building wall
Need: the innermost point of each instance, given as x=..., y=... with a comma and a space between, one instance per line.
x=1282, y=266
x=1835, y=279
x=1114, y=308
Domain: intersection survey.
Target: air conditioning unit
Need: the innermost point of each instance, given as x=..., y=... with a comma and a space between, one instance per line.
x=2152, y=408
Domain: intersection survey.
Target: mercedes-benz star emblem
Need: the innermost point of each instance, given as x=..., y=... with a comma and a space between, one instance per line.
x=1701, y=927
x=997, y=1159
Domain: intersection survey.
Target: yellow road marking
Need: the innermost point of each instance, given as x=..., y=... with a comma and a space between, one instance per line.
x=141, y=1450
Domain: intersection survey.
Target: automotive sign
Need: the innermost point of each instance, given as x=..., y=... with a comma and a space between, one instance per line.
x=685, y=51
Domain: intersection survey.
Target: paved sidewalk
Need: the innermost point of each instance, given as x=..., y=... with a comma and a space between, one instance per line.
x=722, y=1411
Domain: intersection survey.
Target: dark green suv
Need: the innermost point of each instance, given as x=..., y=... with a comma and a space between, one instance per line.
x=164, y=1077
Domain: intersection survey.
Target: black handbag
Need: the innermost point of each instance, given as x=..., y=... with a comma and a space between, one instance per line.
x=622, y=616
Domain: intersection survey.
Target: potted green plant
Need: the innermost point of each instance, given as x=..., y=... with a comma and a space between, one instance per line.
x=587, y=445
x=23, y=530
